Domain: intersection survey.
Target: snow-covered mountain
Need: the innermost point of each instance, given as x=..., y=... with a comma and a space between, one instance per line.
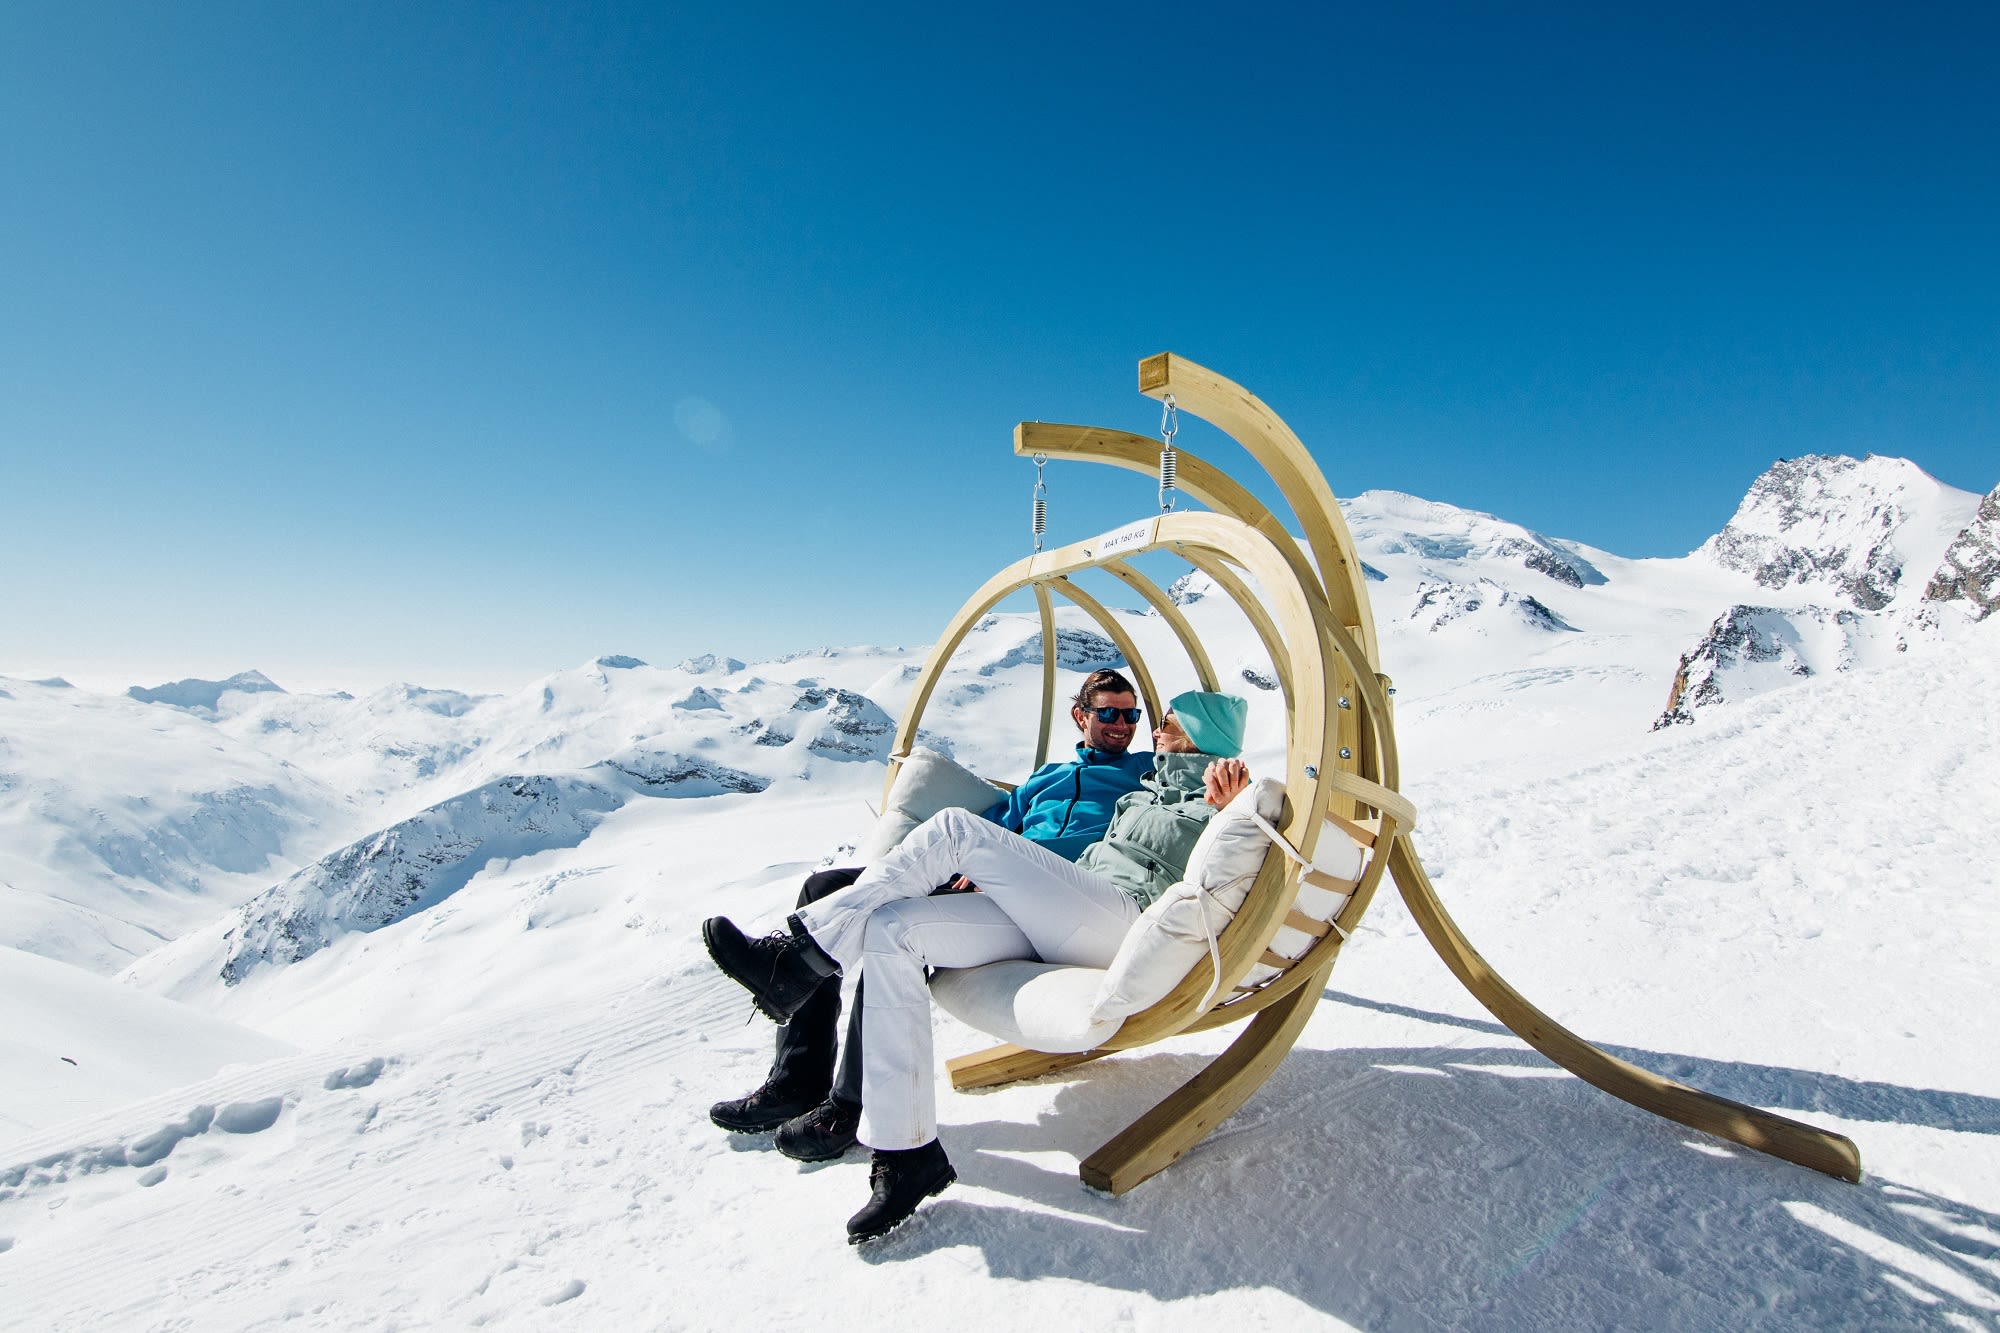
x=1844, y=543
x=123, y=825
x=228, y=791
x=1849, y=529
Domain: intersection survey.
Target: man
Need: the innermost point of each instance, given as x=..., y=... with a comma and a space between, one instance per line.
x=1064, y=807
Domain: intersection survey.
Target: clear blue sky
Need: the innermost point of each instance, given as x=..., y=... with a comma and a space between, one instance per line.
x=463, y=342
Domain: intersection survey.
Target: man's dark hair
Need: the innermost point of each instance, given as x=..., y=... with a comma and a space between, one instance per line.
x=1106, y=681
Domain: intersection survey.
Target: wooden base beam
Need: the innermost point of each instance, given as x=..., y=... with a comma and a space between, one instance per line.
x=1165, y=1134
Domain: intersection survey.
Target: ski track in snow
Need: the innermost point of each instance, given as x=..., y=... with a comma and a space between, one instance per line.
x=309, y=1151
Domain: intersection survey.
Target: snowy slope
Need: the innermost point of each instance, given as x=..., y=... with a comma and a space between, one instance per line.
x=125, y=824
x=1725, y=904
x=75, y=1043
x=497, y=1111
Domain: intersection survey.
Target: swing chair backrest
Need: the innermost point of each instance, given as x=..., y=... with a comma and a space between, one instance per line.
x=1312, y=615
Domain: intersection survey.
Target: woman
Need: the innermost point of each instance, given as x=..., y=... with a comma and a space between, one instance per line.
x=1026, y=902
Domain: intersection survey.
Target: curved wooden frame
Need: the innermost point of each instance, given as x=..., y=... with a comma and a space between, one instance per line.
x=1313, y=617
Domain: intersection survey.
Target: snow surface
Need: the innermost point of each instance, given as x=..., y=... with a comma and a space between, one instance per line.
x=491, y=1110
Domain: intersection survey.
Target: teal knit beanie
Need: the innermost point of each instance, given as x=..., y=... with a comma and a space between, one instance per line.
x=1214, y=722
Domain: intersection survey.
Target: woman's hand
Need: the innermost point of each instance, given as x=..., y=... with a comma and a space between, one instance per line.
x=1223, y=779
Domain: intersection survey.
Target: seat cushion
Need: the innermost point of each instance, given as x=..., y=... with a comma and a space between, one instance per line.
x=1042, y=1006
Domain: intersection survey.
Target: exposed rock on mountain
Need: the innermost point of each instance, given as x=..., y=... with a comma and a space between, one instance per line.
x=834, y=722
x=1256, y=679
x=1970, y=571
x=409, y=866
x=1750, y=649
x=1840, y=523
x=1076, y=650
x=1190, y=588
x=1544, y=560
x=679, y=775
x=205, y=695
x=1439, y=604
x=848, y=725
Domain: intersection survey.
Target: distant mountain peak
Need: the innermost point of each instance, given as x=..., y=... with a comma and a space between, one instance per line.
x=1445, y=537
x=619, y=662
x=205, y=695
x=708, y=664
x=1830, y=521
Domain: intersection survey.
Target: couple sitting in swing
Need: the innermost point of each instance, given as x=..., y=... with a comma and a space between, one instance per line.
x=1058, y=871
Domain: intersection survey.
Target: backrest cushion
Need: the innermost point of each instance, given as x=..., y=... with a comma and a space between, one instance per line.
x=1168, y=938
x=926, y=783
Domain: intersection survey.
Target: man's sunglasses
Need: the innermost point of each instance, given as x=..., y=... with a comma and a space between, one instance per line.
x=1113, y=714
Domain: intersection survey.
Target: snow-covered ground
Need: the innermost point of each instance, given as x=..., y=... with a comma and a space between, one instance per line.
x=487, y=1105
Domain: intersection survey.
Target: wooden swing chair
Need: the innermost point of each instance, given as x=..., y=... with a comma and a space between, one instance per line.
x=1340, y=780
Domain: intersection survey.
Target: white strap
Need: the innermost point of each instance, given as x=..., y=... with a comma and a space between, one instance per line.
x=1278, y=840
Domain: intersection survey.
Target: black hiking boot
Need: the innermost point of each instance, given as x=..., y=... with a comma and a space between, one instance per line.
x=899, y=1181
x=825, y=1132
x=781, y=970
x=770, y=1106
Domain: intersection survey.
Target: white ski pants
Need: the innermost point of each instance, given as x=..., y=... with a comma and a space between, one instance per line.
x=1031, y=904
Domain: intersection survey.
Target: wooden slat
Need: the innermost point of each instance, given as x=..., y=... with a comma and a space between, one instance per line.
x=1319, y=879
x=1306, y=925
x=1272, y=958
x=1364, y=836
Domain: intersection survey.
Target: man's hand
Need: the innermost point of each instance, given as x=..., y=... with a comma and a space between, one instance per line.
x=959, y=884
x=1223, y=779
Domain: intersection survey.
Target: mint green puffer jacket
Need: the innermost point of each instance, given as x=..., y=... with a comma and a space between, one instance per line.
x=1153, y=829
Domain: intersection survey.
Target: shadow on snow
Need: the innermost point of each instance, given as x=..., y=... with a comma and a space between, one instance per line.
x=1427, y=1186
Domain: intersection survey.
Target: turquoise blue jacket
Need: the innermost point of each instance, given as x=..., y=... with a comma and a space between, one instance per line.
x=1067, y=807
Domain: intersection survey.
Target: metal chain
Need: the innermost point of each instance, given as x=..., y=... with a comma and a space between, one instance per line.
x=1041, y=494
x=1170, y=425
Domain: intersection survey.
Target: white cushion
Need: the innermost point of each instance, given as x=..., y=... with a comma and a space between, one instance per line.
x=926, y=783
x=1167, y=940
x=1041, y=1006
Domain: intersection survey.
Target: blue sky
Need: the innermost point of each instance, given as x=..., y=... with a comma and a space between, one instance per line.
x=461, y=343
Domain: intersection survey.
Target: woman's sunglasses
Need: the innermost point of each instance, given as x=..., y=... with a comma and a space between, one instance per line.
x=1113, y=714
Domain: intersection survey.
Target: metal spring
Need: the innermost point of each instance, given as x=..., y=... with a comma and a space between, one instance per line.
x=1041, y=493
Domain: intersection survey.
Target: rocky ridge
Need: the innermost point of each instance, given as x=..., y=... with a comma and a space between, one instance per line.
x=396, y=872
x=1843, y=533
x=1970, y=570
